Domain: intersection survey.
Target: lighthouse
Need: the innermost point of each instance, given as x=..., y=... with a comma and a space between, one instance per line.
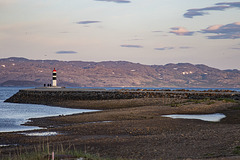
x=54, y=78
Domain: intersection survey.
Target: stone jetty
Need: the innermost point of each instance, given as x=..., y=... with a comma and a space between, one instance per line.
x=50, y=95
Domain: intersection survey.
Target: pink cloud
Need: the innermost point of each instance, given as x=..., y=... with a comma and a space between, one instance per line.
x=181, y=31
x=228, y=31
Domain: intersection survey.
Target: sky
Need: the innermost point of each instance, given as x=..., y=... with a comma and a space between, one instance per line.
x=152, y=32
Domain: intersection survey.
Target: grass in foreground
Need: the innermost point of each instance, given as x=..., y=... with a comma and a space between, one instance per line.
x=237, y=150
x=43, y=152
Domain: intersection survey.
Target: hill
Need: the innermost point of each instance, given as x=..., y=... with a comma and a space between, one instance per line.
x=115, y=74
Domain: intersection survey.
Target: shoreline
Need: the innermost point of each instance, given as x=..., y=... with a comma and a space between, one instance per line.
x=134, y=129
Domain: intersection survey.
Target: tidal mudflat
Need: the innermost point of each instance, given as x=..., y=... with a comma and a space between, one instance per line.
x=139, y=131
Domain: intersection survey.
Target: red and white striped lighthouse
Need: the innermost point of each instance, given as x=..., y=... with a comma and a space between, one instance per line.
x=54, y=78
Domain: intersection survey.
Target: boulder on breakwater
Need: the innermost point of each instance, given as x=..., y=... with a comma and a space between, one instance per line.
x=50, y=95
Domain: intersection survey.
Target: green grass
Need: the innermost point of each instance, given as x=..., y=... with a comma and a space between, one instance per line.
x=175, y=104
x=227, y=100
x=43, y=152
x=210, y=102
x=43, y=155
x=237, y=150
x=199, y=101
x=235, y=108
x=209, y=155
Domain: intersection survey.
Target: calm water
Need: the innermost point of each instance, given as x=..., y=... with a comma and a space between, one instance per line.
x=12, y=115
x=216, y=117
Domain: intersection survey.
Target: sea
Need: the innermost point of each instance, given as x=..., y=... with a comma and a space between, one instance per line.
x=13, y=115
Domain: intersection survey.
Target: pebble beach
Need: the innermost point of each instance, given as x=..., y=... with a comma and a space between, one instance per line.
x=135, y=129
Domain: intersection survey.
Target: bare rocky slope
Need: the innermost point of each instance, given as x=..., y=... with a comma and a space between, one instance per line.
x=24, y=72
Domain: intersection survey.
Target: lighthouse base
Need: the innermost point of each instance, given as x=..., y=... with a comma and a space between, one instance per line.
x=50, y=87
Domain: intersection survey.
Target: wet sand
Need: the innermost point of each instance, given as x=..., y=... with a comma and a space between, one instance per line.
x=134, y=129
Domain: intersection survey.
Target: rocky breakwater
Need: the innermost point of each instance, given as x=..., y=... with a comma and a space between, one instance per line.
x=50, y=95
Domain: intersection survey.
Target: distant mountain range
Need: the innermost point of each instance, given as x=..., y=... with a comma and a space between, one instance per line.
x=24, y=72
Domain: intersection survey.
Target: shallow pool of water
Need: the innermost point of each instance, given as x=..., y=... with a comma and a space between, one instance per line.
x=216, y=117
x=41, y=134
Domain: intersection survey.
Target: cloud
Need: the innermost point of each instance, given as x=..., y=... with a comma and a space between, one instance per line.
x=185, y=47
x=164, y=48
x=136, y=39
x=236, y=48
x=230, y=4
x=224, y=36
x=170, y=48
x=191, y=14
x=228, y=31
x=181, y=31
x=220, y=7
x=200, y=11
x=131, y=46
x=115, y=1
x=87, y=22
x=66, y=52
x=157, y=31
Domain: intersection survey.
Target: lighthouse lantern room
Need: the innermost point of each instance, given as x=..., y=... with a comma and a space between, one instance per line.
x=54, y=78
